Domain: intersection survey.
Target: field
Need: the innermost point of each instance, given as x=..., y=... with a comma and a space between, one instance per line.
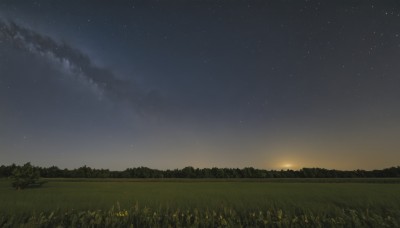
x=204, y=203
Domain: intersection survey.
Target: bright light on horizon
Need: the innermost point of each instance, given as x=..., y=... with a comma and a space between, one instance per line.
x=287, y=165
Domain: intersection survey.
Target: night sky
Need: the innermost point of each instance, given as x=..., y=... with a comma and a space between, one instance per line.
x=168, y=84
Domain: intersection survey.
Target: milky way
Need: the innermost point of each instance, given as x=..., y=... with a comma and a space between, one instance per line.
x=77, y=63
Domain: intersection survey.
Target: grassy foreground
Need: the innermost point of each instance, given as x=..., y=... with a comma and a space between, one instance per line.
x=96, y=203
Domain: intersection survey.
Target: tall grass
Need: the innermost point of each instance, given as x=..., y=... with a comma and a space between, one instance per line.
x=138, y=216
x=201, y=204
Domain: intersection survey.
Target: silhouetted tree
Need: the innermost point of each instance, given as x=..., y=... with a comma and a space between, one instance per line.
x=190, y=172
x=25, y=176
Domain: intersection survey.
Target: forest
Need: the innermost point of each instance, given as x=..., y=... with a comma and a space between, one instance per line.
x=191, y=172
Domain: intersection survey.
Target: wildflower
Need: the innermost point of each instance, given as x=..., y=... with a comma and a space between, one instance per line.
x=280, y=213
x=122, y=213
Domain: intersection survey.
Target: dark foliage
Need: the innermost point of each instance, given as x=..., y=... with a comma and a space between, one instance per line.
x=25, y=176
x=190, y=172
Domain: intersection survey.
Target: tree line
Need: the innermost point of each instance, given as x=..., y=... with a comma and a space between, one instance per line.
x=190, y=172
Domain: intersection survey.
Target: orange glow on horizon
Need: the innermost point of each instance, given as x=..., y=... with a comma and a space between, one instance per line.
x=287, y=165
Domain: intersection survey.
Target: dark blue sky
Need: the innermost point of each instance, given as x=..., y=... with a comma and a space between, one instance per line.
x=167, y=84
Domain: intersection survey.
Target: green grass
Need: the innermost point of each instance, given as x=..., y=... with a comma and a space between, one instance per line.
x=293, y=198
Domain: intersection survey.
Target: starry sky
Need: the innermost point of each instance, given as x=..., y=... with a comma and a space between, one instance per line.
x=203, y=83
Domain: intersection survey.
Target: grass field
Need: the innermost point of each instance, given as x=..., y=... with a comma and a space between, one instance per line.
x=366, y=203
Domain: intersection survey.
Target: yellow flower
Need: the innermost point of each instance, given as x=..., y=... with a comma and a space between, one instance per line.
x=122, y=213
x=280, y=213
